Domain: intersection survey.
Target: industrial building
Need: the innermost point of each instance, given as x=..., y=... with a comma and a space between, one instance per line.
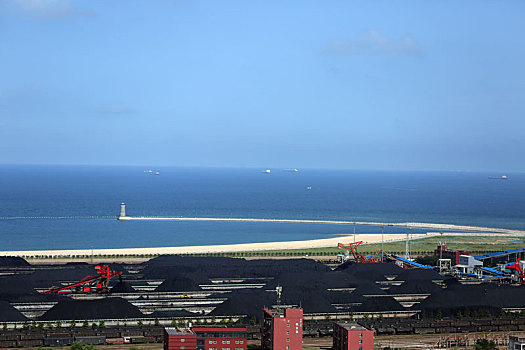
x=220, y=338
x=352, y=336
x=282, y=328
x=179, y=339
x=517, y=342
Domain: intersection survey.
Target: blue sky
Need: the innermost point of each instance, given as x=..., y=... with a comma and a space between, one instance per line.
x=414, y=85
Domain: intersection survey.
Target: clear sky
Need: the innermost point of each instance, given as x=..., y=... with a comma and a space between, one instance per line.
x=423, y=85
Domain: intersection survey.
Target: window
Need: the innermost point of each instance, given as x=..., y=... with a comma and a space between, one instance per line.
x=227, y=342
x=287, y=325
x=287, y=340
x=241, y=342
x=224, y=341
x=360, y=335
x=360, y=341
x=182, y=340
x=287, y=347
x=287, y=332
x=211, y=342
x=215, y=342
x=182, y=347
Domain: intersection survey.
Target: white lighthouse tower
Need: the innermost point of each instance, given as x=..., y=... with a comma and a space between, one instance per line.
x=122, y=215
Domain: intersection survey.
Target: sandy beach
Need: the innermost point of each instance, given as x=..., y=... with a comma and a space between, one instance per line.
x=316, y=243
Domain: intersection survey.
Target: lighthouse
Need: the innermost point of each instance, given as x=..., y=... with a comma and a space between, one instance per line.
x=122, y=215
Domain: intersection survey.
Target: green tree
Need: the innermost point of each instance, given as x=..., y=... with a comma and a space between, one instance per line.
x=253, y=320
x=213, y=320
x=41, y=326
x=102, y=324
x=81, y=346
x=157, y=322
x=85, y=324
x=482, y=344
x=140, y=324
x=73, y=324
x=366, y=317
x=439, y=315
x=467, y=312
x=173, y=323
x=93, y=325
x=59, y=325
x=501, y=313
x=459, y=315
x=327, y=317
x=25, y=327
x=4, y=326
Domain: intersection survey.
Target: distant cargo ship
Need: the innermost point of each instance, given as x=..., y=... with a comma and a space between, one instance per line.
x=266, y=171
x=295, y=170
x=503, y=177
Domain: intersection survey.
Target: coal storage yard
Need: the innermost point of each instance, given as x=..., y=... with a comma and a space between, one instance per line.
x=173, y=287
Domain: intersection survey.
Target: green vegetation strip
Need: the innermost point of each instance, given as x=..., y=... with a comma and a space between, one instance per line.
x=473, y=244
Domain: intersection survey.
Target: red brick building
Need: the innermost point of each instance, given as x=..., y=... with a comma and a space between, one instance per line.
x=352, y=336
x=282, y=329
x=220, y=338
x=179, y=339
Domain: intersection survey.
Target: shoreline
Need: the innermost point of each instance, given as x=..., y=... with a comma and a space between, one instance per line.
x=409, y=225
x=224, y=248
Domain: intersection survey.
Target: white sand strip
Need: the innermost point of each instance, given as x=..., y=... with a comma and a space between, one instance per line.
x=315, y=243
x=409, y=225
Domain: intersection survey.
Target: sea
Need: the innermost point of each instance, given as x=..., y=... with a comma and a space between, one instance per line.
x=75, y=207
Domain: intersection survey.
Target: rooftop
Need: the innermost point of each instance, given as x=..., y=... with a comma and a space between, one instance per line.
x=178, y=331
x=352, y=326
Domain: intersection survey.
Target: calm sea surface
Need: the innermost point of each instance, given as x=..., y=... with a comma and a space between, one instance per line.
x=92, y=195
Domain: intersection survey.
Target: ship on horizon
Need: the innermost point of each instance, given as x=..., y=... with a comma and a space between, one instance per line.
x=502, y=177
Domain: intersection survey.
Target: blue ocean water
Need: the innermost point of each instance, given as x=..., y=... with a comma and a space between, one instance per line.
x=93, y=194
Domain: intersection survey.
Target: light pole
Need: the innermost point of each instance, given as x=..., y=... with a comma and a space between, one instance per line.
x=382, y=241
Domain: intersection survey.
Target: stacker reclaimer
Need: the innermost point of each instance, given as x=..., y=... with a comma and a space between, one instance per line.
x=89, y=284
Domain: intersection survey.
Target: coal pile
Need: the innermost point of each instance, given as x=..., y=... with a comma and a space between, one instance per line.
x=178, y=284
x=122, y=287
x=15, y=286
x=212, y=267
x=171, y=313
x=380, y=304
x=483, y=297
x=419, y=274
x=245, y=302
x=13, y=261
x=9, y=313
x=415, y=287
x=92, y=309
x=370, y=271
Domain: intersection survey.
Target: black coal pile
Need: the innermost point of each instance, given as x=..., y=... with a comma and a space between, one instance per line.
x=122, y=287
x=370, y=271
x=45, y=277
x=245, y=302
x=483, y=297
x=415, y=287
x=13, y=261
x=15, y=286
x=9, y=313
x=178, y=284
x=419, y=274
x=212, y=267
x=171, y=313
x=315, y=279
x=380, y=304
x=92, y=309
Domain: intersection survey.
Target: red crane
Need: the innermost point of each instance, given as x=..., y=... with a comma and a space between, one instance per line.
x=359, y=258
x=518, y=269
x=89, y=284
